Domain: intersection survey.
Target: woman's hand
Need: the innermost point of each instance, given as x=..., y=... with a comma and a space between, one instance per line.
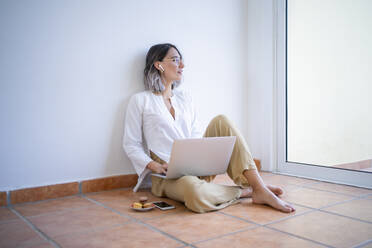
x=157, y=167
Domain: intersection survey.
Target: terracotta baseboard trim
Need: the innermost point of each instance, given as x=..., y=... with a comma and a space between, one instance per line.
x=73, y=188
x=3, y=199
x=67, y=189
x=43, y=192
x=258, y=164
x=109, y=183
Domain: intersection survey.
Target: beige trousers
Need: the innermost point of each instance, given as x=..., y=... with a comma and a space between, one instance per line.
x=198, y=193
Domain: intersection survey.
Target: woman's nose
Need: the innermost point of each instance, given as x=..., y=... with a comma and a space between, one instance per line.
x=182, y=65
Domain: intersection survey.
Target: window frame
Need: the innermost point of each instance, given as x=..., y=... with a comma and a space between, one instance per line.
x=283, y=166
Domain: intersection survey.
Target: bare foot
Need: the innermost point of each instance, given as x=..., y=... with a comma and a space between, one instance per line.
x=263, y=195
x=275, y=189
x=247, y=192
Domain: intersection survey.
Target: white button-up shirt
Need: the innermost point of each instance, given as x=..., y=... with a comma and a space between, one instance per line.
x=150, y=126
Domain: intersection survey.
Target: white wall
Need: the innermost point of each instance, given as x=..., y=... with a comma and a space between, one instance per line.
x=260, y=73
x=68, y=68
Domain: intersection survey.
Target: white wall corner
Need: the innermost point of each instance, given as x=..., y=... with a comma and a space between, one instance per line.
x=274, y=124
x=261, y=82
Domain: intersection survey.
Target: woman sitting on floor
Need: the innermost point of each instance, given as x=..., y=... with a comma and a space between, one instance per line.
x=158, y=116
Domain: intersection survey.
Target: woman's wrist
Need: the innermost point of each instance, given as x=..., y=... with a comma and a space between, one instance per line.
x=157, y=167
x=152, y=166
x=149, y=165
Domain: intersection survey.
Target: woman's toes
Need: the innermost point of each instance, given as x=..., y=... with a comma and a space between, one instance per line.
x=292, y=209
x=288, y=210
x=276, y=190
x=282, y=206
x=280, y=191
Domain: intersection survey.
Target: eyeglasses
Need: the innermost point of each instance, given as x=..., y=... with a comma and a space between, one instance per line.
x=176, y=60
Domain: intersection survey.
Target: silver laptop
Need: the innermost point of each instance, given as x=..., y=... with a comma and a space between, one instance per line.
x=199, y=157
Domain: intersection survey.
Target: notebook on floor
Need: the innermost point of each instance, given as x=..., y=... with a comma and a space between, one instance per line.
x=199, y=157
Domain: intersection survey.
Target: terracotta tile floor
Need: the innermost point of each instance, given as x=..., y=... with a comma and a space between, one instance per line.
x=328, y=215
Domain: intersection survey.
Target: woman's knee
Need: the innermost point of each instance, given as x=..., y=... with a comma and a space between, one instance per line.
x=220, y=118
x=219, y=126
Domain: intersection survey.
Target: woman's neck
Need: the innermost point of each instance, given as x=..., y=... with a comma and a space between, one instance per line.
x=167, y=92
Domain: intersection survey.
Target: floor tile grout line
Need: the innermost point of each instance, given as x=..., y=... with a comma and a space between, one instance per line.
x=293, y=216
x=94, y=229
x=319, y=181
x=329, y=191
x=317, y=210
x=309, y=186
x=327, y=206
x=311, y=210
x=80, y=195
x=304, y=185
x=162, y=232
x=190, y=245
x=349, y=217
x=8, y=198
x=263, y=225
x=290, y=217
x=138, y=221
x=185, y=243
x=184, y=246
x=321, y=209
x=275, y=221
x=266, y=226
x=58, y=211
x=363, y=244
x=110, y=208
x=171, y=236
x=301, y=205
x=239, y=218
x=298, y=236
x=9, y=220
x=116, y=211
x=298, y=177
x=37, y=230
x=291, y=185
x=341, y=202
x=99, y=202
x=226, y=234
x=366, y=196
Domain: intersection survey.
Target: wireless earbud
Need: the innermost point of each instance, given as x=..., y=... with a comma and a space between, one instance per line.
x=161, y=67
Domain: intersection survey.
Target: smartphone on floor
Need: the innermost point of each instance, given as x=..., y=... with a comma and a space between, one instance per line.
x=163, y=205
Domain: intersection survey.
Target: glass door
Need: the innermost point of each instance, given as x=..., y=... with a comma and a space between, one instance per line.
x=324, y=90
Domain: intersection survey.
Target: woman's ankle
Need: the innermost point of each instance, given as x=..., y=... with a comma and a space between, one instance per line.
x=246, y=192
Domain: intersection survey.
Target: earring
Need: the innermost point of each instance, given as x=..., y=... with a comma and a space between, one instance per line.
x=161, y=67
